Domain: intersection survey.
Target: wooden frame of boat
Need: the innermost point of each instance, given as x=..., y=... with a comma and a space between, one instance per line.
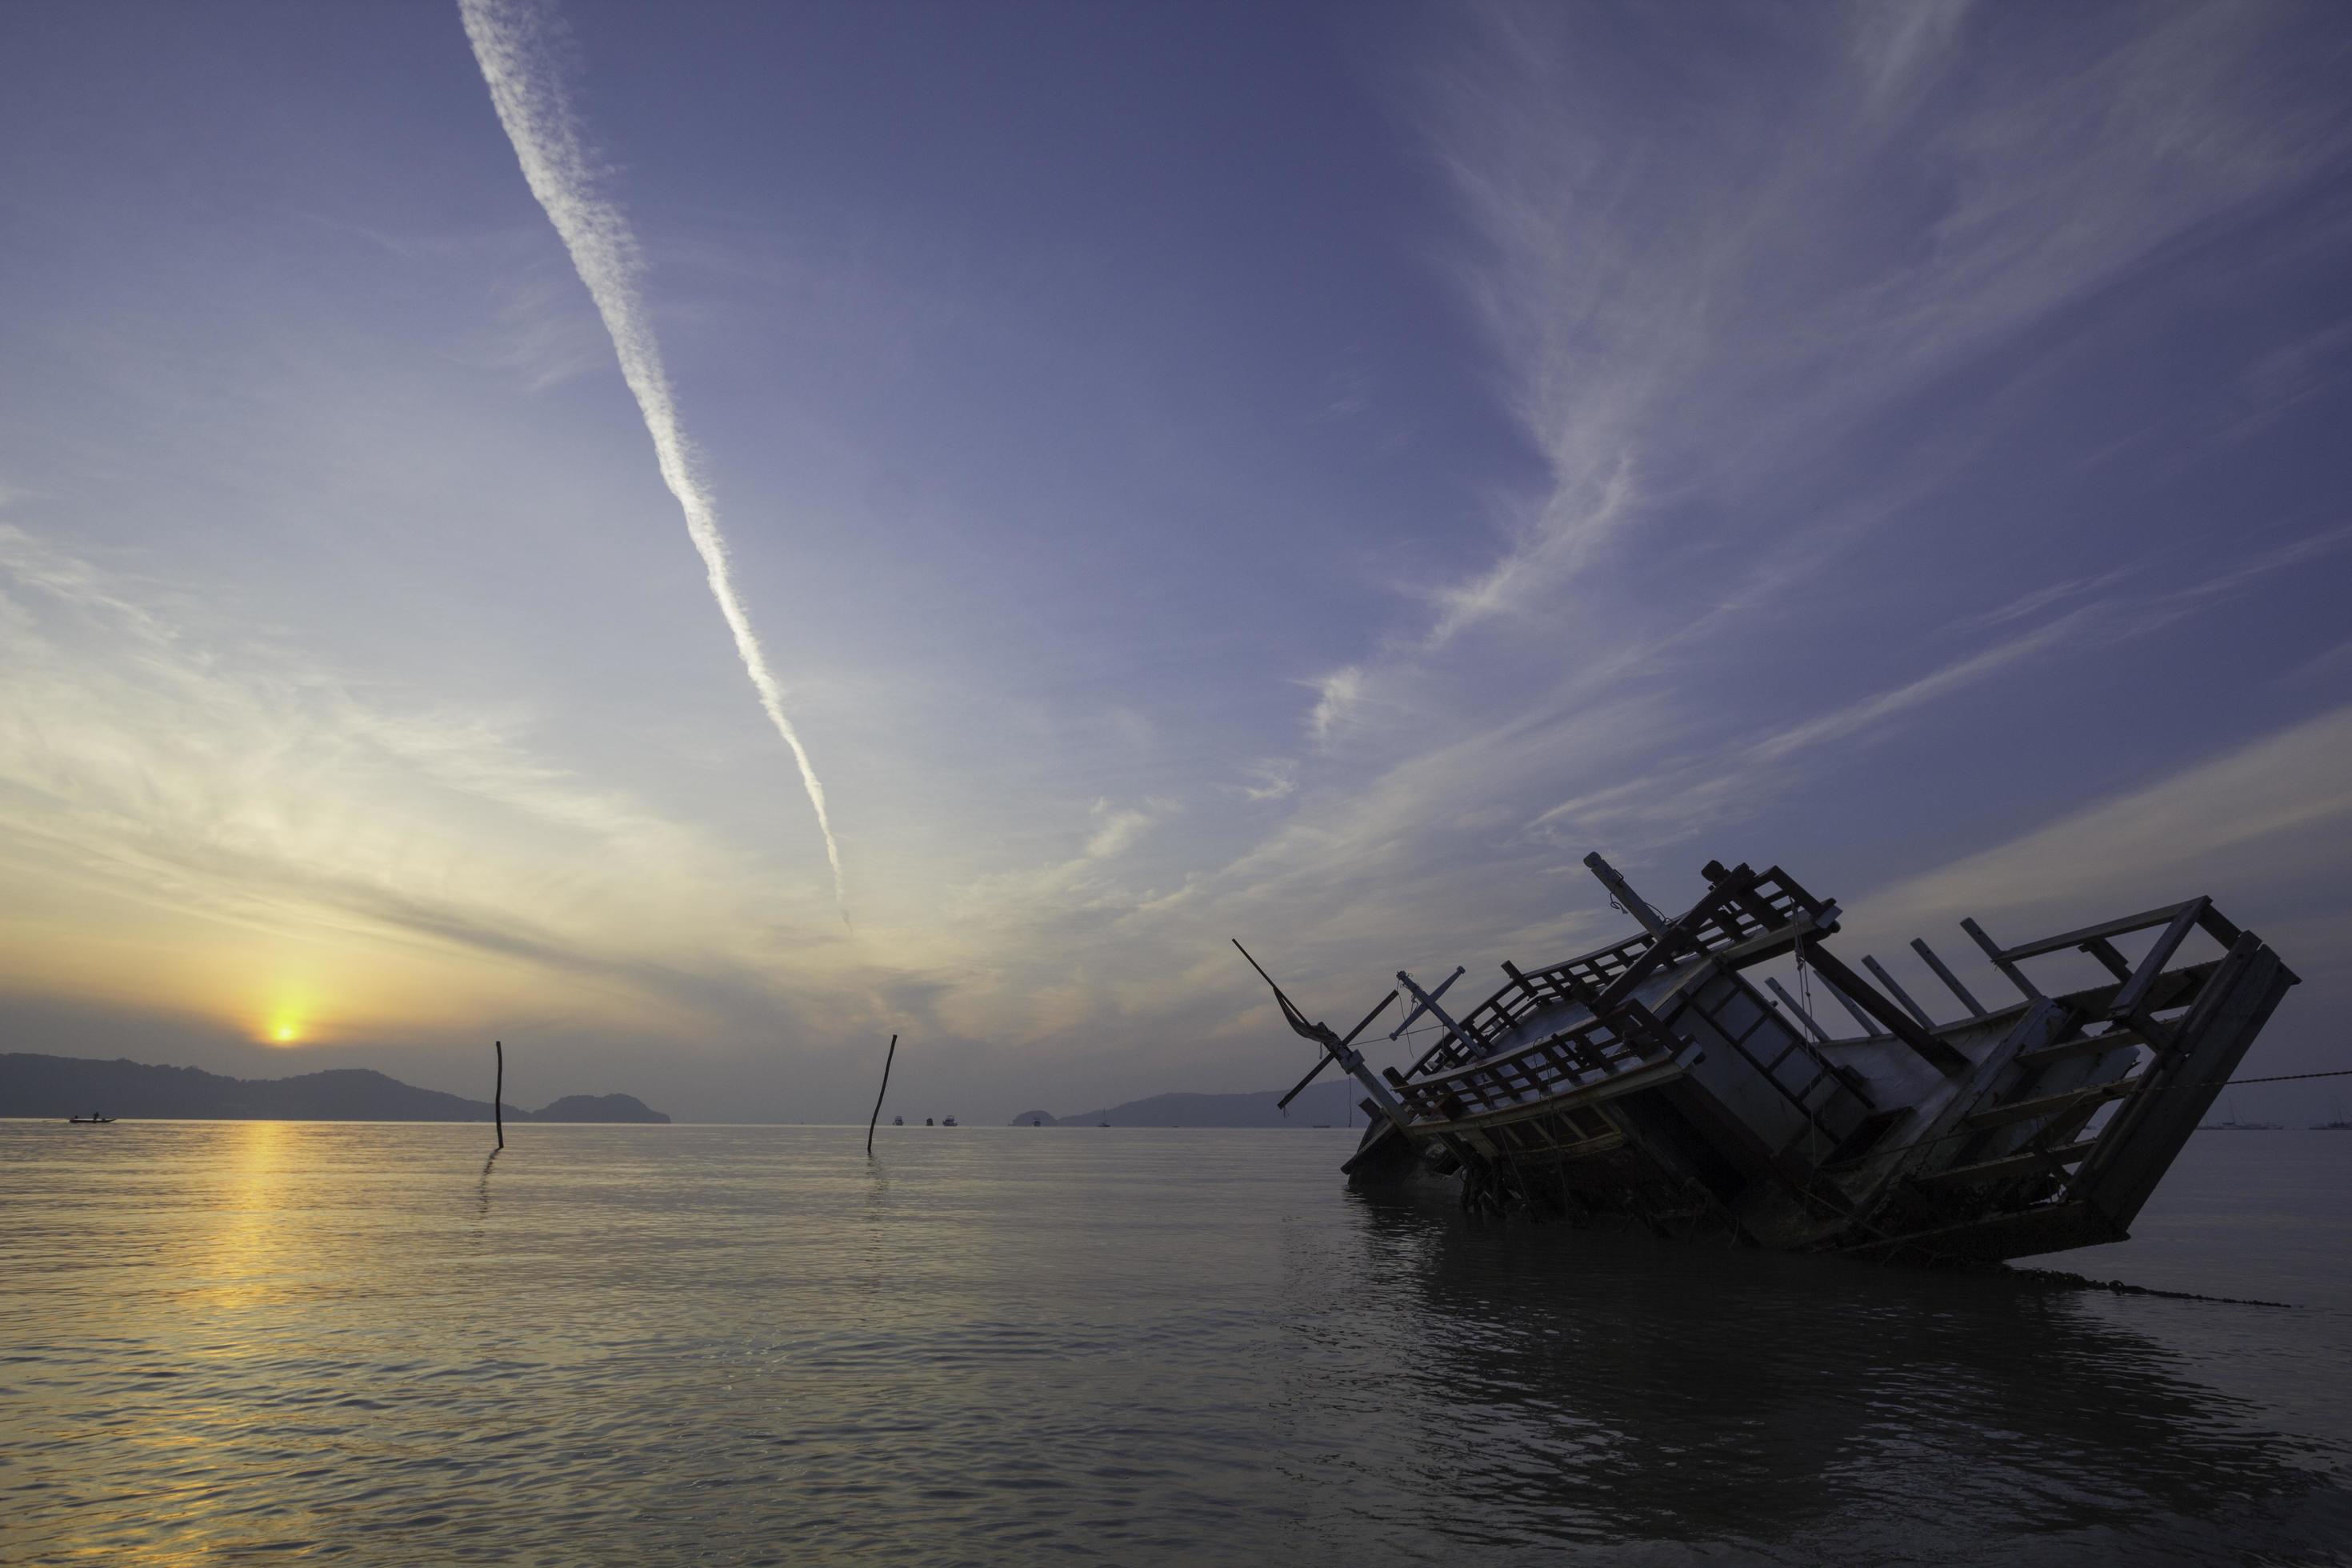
x=1650, y=1078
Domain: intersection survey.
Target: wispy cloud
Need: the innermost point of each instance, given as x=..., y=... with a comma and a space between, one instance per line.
x=2258, y=819
x=1271, y=778
x=1693, y=303
x=1881, y=708
x=192, y=776
x=518, y=46
x=1336, y=696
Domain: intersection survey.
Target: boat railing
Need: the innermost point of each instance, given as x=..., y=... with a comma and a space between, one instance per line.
x=1579, y=1060
x=1775, y=899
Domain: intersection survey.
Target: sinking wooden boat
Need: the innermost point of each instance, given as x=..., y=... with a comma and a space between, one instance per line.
x=1653, y=1079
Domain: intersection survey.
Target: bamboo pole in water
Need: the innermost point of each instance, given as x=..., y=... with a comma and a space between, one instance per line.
x=498, y=1110
x=878, y=1098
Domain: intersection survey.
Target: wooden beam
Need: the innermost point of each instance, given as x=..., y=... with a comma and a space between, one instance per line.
x=2024, y=1162
x=1951, y=982
x=878, y=1094
x=2001, y=959
x=1427, y=1004
x=2027, y=1110
x=1670, y=939
x=1622, y=891
x=1333, y=1051
x=2102, y=950
x=2127, y=1001
x=1942, y=1056
x=1868, y=1024
x=1897, y=991
x=2124, y=926
x=1471, y=1045
x=1760, y=910
x=1820, y=1036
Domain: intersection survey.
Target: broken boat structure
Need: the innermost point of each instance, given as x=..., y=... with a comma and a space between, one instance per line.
x=1652, y=1080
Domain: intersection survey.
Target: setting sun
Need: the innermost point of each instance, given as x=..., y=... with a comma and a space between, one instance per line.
x=284, y=1034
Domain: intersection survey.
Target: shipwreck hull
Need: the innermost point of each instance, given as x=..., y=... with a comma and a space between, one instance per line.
x=1654, y=1080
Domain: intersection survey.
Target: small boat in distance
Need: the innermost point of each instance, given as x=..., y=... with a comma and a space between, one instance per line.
x=2234, y=1125
x=947, y=1121
x=897, y=1121
x=92, y=1120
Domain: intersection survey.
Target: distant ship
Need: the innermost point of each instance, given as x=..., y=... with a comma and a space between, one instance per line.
x=947, y=1121
x=2234, y=1125
x=897, y=1121
x=1652, y=1080
x=92, y=1120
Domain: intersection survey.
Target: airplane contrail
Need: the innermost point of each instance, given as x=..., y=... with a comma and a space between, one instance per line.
x=511, y=40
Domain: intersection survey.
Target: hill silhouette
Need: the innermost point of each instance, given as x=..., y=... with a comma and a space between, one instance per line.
x=36, y=1085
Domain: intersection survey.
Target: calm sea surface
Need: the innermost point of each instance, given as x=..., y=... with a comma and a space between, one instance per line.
x=666, y=1344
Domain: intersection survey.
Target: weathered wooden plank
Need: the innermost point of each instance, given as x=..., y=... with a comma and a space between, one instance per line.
x=1897, y=991
x=1944, y=1056
x=2207, y=1046
x=2073, y=1099
x=2023, y=1163
x=2102, y=950
x=2124, y=926
x=1951, y=982
x=1631, y=902
x=2001, y=959
x=2135, y=990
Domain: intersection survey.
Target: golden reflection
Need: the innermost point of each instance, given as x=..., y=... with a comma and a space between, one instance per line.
x=246, y=1254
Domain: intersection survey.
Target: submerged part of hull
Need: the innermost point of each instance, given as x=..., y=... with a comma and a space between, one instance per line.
x=1653, y=1079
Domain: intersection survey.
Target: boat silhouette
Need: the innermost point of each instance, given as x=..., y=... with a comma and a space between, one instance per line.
x=1652, y=1080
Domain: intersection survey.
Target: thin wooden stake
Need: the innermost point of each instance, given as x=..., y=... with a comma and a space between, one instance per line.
x=498, y=1111
x=878, y=1098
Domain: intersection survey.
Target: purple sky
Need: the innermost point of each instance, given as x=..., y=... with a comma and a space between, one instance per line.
x=1294, y=472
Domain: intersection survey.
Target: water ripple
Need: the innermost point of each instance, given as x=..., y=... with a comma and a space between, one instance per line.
x=745, y=1345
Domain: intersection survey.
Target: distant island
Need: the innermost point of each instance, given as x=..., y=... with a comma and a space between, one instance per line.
x=35, y=1085
x=1322, y=1105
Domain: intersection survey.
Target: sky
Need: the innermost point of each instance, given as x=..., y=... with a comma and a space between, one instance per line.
x=1303, y=473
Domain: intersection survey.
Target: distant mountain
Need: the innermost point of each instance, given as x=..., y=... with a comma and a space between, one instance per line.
x=1322, y=1104
x=598, y=1108
x=33, y=1085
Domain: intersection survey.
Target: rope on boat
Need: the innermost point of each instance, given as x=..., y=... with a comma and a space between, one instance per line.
x=2289, y=1078
x=2060, y=1279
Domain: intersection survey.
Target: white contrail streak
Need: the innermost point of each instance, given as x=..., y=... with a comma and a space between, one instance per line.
x=520, y=47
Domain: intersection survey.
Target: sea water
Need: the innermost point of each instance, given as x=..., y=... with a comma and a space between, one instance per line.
x=751, y=1345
